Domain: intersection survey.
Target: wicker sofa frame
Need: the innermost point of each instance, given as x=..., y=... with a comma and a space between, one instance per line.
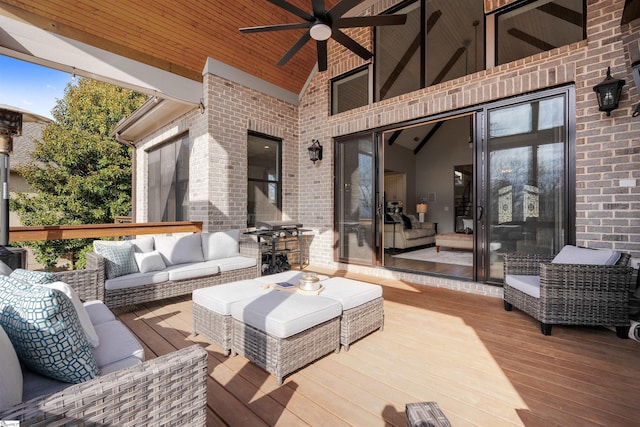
x=114, y=298
x=168, y=390
x=572, y=294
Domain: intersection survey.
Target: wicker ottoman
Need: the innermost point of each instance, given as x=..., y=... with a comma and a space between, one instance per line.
x=425, y=414
x=283, y=331
x=362, y=306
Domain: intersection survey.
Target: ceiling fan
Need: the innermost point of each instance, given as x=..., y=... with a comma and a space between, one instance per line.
x=323, y=24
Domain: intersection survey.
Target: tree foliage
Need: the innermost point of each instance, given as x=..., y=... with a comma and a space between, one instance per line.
x=78, y=174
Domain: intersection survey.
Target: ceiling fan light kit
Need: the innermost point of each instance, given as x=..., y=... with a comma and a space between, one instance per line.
x=323, y=24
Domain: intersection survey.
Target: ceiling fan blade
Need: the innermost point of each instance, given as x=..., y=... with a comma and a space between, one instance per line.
x=341, y=8
x=318, y=8
x=321, y=46
x=277, y=27
x=370, y=21
x=295, y=48
x=351, y=44
x=293, y=9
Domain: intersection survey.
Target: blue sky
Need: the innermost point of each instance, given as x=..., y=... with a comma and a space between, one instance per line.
x=30, y=86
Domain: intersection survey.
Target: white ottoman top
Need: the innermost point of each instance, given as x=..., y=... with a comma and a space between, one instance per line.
x=220, y=297
x=291, y=276
x=282, y=313
x=350, y=293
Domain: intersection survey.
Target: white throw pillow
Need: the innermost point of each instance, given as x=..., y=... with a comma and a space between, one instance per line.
x=221, y=244
x=10, y=373
x=83, y=316
x=574, y=255
x=467, y=223
x=180, y=249
x=149, y=261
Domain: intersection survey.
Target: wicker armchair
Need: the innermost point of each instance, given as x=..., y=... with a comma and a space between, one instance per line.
x=168, y=390
x=571, y=294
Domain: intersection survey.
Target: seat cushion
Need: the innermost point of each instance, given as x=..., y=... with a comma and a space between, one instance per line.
x=290, y=276
x=235, y=263
x=530, y=285
x=10, y=373
x=45, y=331
x=116, y=343
x=193, y=270
x=136, y=279
x=350, y=293
x=220, y=298
x=282, y=314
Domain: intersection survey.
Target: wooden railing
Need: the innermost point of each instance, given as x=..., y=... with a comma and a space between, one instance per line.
x=85, y=231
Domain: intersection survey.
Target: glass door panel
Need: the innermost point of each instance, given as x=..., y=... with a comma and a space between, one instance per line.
x=526, y=204
x=355, y=200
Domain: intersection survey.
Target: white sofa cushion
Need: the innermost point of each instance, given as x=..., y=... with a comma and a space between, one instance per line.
x=574, y=255
x=98, y=312
x=283, y=314
x=149, y=261
x=290, y=276
x=193, y=270
x=530, y=285
x=116, y=343
x=83, y=316
x=180, y=249
x=235, y=263
x=118, y=257
x=220, y=298
x=136, y=279
x=10, y=373
x=350, y=293
x=142, y=244
x=221, y=244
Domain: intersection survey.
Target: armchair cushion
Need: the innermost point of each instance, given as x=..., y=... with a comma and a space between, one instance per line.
x=530, y=285
x=574, y=255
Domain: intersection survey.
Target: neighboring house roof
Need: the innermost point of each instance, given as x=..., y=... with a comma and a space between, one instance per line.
x=24, y=144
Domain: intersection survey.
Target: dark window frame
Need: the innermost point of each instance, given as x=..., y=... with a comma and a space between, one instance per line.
x=337, y=79
x=277, y=182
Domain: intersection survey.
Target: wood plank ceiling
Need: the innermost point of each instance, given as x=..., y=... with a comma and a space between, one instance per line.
x=179, y=36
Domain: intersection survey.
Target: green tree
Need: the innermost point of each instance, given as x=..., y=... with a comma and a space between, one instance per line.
x=78, y=174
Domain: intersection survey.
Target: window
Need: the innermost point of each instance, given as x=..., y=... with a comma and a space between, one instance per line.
x=538, y=26
x=350, y=90
x=168, y=181
x=264, y=189
x=441, y=41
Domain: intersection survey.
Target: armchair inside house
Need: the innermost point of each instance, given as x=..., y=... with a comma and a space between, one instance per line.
x=578, y=286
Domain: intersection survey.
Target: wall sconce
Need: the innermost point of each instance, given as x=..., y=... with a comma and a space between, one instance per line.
x=636, y=111
x=315, y=151
x=201, y=106
x=608, y=92
x=421, y=208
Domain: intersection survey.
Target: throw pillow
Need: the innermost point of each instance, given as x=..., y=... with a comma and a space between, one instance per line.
x=575, y=255
x=44, y=329
x=83, y=316
x=10, y=374
x=415, y=224
x=34, y=277
x=180, y=249
x=149, y=261
x=221, y=244
x=118, y=257
x=406, y=222
x=396, y=218
x=467, y=223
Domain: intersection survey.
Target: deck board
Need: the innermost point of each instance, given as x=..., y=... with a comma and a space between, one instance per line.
x=483, y=365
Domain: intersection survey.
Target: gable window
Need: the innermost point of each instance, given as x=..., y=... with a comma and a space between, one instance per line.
x=350, y=90
x=538, y=26
x=168, y=181
x=441, y=41
x=264, y=187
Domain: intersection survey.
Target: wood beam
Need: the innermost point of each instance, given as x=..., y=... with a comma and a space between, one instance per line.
x=564, y=13
x=426, y=139
x=395, y=136
x=447, y=67
x=529, y=39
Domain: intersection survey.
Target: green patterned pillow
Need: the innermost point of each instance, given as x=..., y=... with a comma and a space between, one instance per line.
x=118, y=257
x=34, y=277
x=44, y=329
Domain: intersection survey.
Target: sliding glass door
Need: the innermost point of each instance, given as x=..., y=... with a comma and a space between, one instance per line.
x=356, y=201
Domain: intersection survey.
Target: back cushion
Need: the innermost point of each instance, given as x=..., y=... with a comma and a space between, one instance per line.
x=10, y=374
x=180, y=249
x=574, y=255
x=45, y=331
x=142, y=244
x=221, y=244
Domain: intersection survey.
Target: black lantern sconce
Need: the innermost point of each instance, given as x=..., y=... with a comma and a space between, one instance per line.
x=315, y=151
x=608, y=92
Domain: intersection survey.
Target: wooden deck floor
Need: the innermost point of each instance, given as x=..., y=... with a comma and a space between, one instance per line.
x=484, y=366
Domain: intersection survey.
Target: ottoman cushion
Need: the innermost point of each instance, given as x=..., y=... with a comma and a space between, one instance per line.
x=291, y=276
x=350, y=293
x=282, y=314
x=220, y=298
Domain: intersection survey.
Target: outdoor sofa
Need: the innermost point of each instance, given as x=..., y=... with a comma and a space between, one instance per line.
x=67, y=373
x=155, y=267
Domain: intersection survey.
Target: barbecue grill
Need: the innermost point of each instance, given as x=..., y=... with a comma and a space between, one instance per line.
x=275, y=235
